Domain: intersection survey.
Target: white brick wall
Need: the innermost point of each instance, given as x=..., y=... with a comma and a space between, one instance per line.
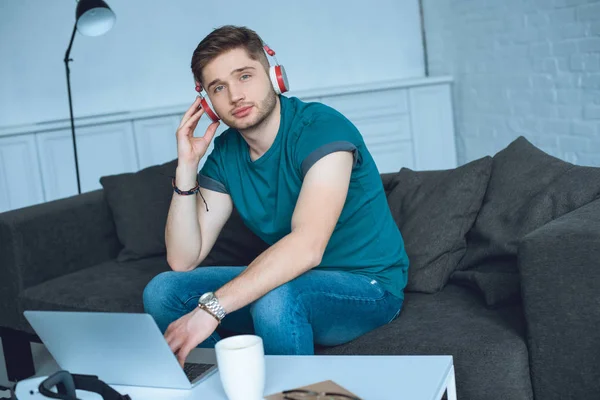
x=521, y=67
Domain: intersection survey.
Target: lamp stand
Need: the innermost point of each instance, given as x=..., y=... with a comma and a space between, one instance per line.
x=67, y=59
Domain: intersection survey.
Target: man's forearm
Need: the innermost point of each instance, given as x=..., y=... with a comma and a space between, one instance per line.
x=182, y=232
x=287, y=259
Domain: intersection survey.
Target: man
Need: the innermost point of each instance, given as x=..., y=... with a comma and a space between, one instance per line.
x=302, y=179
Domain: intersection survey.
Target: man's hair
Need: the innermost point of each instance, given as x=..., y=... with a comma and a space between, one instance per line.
x=223, y=39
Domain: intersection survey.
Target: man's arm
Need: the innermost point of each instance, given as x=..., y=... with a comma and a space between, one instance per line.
x=191, y=231
x=317, y=211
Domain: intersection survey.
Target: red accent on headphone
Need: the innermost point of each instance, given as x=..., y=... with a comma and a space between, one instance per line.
x=280, y=81
x=208, y=110
x=198, y=88
x=269, y=51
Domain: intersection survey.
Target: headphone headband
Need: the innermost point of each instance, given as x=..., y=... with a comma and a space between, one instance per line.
x=267, y=50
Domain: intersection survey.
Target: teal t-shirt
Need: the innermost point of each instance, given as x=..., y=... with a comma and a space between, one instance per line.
x=365, y=240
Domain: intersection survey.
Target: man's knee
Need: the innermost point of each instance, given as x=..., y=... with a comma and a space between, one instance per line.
x=159, y=289
x=277, y=305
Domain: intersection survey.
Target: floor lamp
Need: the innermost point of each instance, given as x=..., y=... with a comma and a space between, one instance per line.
x=93, y=18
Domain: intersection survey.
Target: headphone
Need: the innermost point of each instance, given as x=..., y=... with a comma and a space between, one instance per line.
x=277, y=75
x=65, y=384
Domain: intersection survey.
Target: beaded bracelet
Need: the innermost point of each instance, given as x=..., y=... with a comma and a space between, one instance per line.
x=194, y=190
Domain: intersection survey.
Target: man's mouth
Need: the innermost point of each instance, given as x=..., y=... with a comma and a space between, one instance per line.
x=242, y=111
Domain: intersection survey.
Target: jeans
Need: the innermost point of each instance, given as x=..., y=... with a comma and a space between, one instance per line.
x=318, y=307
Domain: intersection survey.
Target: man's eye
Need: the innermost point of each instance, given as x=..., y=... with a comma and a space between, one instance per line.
x=218, y=88
x=245, y=75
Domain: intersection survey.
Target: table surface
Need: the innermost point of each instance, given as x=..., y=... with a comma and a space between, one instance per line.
x=369, y=377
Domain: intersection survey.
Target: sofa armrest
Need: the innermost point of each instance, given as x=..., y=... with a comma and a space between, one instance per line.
x=48, y=240
x=559, y=265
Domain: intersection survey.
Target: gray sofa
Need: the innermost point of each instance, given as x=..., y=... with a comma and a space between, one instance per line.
x=504, y=276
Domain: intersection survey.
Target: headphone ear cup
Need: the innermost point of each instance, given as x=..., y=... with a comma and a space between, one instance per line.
x=279, y=79
x=211, y=114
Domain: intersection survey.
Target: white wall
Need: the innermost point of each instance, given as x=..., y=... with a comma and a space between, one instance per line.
x=144, y=61
x=521, y=67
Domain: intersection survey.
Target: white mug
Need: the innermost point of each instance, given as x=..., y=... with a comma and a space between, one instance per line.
x=241, y=366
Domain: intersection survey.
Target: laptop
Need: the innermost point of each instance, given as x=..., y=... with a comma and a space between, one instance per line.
x=119, y=348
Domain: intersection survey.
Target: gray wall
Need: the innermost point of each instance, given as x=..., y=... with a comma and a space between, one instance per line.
x=144, y=61
x=522, y=67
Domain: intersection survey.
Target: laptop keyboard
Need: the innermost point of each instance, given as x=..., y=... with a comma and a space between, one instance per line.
x=193, y=370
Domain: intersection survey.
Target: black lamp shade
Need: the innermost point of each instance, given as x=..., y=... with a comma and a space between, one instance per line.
x=94, y=17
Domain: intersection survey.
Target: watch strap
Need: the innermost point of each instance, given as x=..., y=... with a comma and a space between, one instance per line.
x=205, y=308
x=214, y=306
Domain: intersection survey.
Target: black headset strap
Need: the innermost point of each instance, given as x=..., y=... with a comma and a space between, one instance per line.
x=66, y=384
x=11, y=392
x=91, y=383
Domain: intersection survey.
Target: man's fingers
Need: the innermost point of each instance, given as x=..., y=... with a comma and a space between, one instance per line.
x=168, y=332
x=210, y=131
x=176, y=345
x=190, y=112
x=193, y=118
x=193, y=108
x=193, y=121
x=169, y=338
x=183, y=353
x=190, y=124
x=173, y=338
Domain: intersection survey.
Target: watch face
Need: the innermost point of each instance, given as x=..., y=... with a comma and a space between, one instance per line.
x=206, y=297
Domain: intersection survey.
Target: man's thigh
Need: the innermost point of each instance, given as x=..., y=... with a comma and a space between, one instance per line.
x=342, y=306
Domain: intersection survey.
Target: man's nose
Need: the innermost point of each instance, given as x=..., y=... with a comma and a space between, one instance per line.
x=236, y=94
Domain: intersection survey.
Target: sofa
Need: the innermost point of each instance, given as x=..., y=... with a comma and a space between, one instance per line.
x=504, y=274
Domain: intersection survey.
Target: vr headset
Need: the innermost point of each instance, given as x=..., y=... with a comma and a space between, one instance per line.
x=65, y=384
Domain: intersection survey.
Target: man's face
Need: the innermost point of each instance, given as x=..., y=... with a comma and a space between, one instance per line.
x=239, y=89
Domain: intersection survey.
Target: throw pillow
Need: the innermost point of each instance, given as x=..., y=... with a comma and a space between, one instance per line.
x=528, y=188
x=434, y=210
x=140, y=204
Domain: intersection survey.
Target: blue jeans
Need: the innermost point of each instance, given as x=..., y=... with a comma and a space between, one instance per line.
x=323, y=307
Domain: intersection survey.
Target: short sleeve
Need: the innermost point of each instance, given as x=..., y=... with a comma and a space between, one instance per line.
x=211, y=174
x=324, y=135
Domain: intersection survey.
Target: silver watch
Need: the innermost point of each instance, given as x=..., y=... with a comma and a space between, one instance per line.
x=210, y=301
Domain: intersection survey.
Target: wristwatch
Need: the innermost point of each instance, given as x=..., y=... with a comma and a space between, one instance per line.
x=209, y=302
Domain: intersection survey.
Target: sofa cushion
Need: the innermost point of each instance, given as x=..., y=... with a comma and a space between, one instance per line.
x=434, y=210
x=387, y=179
x=140, y=203
x=488, y=346
x=104, y=287
x=528, y=188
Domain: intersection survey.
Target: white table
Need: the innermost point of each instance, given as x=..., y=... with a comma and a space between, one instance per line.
x=369, y=377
